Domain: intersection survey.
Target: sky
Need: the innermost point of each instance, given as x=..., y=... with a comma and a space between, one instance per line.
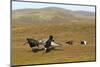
x=34, y=5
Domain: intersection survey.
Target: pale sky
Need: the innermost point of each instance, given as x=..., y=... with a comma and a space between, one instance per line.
x=32, y=5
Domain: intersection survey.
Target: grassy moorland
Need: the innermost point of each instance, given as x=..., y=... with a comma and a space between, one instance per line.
x=64, y=25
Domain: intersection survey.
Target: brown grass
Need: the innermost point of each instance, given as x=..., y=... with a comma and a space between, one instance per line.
x=61, y=31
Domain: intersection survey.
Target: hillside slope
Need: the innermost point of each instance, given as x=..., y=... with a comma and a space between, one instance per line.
x=50, y=14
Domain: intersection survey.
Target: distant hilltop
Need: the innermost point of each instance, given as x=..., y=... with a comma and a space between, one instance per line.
x=50, y=14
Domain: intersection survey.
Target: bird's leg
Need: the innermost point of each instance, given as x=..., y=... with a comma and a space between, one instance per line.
x=38, y=46
x=45, y=49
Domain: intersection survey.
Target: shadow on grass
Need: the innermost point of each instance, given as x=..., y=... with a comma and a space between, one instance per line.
x=35, y=50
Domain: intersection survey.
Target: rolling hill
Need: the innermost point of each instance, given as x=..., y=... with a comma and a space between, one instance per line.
x=50, y=14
